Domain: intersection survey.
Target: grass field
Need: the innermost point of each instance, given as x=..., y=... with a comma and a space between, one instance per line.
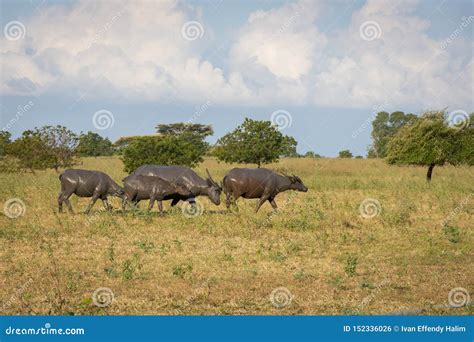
x=327, y=257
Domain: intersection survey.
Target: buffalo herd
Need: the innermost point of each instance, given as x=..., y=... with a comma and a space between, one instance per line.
x=175, y=183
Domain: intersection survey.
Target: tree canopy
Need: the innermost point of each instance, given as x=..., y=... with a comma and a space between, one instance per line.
x=384, y=127
x=183, y=127
x=430, y=141
x=255, y=142
x=185, y=149
x=345, y=154
x=93, y=145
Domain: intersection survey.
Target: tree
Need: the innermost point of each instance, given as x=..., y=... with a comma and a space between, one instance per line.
x=255, y=142
x=429, y=141
x=31, y=151
x=182, y=127
x=386, y=126
x=185, y=149
x=345, y=154
x=5, y=139
x=93, y=145
x=289, y=147
x=60, y=143
x=311, y=154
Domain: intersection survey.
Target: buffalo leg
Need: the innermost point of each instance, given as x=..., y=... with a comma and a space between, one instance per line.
x=64, y=197
x=106, y=204
x=174, y=202
x=152, y=202
x=94, y=199
x=273, y=203
x=160, y=206
x=262, y=200
x=227, y=200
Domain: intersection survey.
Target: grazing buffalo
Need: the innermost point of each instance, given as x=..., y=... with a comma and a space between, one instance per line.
x=258, y=183
x=138, y=187
x=87, y=183
x=186, y=177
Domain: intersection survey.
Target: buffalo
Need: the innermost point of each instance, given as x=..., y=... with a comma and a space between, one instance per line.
x=87, y=183
x=138, y=187
x=186, y=177
x=258, y=183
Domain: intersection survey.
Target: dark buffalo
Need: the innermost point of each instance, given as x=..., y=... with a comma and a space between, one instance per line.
x=87, y=183
x=186, y=177
x=138, y=187
x=258, y=183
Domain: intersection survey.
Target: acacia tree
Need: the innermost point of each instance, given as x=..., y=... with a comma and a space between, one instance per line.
x=182, y=127
x=429, y=141
x=255, y=142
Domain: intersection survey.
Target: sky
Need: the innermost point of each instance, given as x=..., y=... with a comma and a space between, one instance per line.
x=320, y=70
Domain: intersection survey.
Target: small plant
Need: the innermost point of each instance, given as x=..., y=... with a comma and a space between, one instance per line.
x=351, y=265
x=145, y=246
x=130, y=266
x=451, y=233
x=181, y=269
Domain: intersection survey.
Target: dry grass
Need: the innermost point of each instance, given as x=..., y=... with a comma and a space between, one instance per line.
x=318, y=246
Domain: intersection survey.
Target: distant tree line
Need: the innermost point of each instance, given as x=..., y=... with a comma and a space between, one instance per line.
x=401, y=139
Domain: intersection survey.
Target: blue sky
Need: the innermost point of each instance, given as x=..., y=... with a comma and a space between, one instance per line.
x=320, y=69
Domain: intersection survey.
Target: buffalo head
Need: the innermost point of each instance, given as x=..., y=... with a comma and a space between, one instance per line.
x=297, y=183
x=213, y=190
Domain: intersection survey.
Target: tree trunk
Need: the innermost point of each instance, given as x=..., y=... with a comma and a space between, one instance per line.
x=430, y=172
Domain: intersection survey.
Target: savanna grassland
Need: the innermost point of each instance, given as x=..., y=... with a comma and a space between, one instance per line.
x=318, y=246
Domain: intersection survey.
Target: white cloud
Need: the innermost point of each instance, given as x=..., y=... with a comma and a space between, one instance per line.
x=121, y=49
